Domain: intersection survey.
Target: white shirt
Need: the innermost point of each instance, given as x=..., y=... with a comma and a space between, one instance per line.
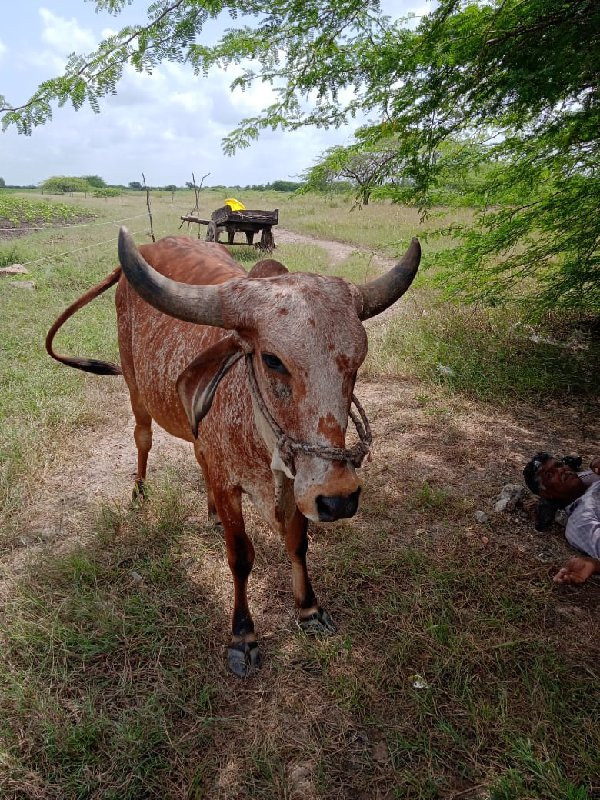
x=583, y=524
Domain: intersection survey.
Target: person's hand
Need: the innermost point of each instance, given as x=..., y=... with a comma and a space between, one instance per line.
x=577, y=570
x=595, y=465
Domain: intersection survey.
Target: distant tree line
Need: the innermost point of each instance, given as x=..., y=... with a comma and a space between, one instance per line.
x=94, y=184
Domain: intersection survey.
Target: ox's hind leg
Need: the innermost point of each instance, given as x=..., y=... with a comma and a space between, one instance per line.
x=311, y=617
x=243, y=655
x=143, y=441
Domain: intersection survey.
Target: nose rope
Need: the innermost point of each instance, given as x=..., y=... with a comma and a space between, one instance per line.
x=289, y=447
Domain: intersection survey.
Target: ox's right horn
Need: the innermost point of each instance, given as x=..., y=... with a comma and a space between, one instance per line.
x=379, y=294
x=199, y=304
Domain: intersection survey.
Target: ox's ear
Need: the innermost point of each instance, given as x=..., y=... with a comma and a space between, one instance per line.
x=267, y=268
x=198, y=382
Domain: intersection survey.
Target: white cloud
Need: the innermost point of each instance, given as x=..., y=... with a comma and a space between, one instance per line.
x=65, y=36
x=165, y=124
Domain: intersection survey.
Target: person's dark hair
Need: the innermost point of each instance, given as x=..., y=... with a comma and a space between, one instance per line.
x=530, y=473
x=574, y=462
x=546, y=509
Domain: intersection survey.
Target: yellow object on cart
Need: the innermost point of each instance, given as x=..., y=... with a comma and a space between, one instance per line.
x=234, y=204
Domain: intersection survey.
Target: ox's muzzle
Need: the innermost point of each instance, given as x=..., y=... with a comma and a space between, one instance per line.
x=335, y=507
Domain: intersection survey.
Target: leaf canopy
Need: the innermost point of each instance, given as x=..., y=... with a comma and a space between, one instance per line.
x=520, y=77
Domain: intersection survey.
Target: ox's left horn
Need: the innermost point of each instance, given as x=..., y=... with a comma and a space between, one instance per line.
x=379, y=294
x=200, y=304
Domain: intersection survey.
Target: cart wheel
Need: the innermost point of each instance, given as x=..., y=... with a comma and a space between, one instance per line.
x=211, y=232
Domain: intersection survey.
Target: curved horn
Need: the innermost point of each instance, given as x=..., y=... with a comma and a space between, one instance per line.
x=199, y=304
x=377, y=295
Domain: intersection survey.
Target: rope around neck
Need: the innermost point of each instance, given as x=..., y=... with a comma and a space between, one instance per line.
x=289, y=447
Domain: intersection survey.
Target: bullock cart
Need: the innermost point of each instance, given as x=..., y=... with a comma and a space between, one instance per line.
x=248, y=222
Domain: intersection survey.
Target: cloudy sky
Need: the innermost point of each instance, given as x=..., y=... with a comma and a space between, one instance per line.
x=165, y=125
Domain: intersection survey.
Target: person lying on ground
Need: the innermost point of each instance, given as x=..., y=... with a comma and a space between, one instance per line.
x=560, y=486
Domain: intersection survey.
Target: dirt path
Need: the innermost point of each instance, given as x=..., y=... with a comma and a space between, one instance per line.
x=340, y=251
x=337, y=251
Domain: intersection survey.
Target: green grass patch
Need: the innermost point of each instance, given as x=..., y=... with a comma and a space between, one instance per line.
x=485, y=354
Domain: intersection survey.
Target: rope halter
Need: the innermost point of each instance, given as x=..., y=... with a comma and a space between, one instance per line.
x=289, y=447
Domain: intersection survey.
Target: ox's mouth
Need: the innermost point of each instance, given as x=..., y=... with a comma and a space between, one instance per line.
x=334, y=507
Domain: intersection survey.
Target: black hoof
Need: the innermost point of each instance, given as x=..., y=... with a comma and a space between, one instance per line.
x=318, y=624
x=140, y=492
x=244, y=659
x=213, y=519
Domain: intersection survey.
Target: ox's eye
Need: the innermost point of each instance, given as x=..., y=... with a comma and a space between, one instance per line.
x=274, y=363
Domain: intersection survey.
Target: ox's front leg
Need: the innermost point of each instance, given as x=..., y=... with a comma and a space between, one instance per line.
x=243, y=655
x=311, y=617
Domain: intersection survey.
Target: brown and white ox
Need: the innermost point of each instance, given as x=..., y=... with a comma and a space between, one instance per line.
x=256, y=370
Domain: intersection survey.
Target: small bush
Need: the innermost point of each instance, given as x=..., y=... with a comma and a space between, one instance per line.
x=108, y=191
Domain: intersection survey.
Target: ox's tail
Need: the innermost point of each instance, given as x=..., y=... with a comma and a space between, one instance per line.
x=86, y=364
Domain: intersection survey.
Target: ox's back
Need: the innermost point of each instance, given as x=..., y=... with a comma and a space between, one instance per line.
x=156, y=348
x=192, y=261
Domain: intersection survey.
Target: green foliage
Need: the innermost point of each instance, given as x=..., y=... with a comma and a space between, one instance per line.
x=108, y=191
x=22, y=209
x=362, y=167
x=135, y=185
x=521, y=75
x=95, y=180
x=283, y=186
x=2, y=183
x=63, y=184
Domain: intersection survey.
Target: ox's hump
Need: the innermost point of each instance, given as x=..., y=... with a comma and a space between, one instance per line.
x=268, y=268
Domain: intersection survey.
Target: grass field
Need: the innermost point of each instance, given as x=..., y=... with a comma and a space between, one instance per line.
x=459, y=669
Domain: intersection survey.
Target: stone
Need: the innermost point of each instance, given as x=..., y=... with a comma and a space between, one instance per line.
x=14, y=269
x=511, y=495
x=481, y=516
x=380, y=752
x=30, y=285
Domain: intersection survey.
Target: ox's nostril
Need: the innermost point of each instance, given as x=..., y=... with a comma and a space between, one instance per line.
x=335, y=507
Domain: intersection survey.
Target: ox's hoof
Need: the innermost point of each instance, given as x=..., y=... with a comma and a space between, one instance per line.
x=214, y=519
x=244, y=659
x=139, y=493
x=318, y=624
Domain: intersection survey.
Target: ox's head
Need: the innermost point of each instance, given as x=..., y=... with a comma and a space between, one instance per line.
x=304, y=335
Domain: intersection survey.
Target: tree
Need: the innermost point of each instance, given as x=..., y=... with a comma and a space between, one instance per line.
x=2, y=183
x=283, y=186
x=136, y=185
x=63, y=184
x=366, y=167
x=95, y=180
x=521, y=75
